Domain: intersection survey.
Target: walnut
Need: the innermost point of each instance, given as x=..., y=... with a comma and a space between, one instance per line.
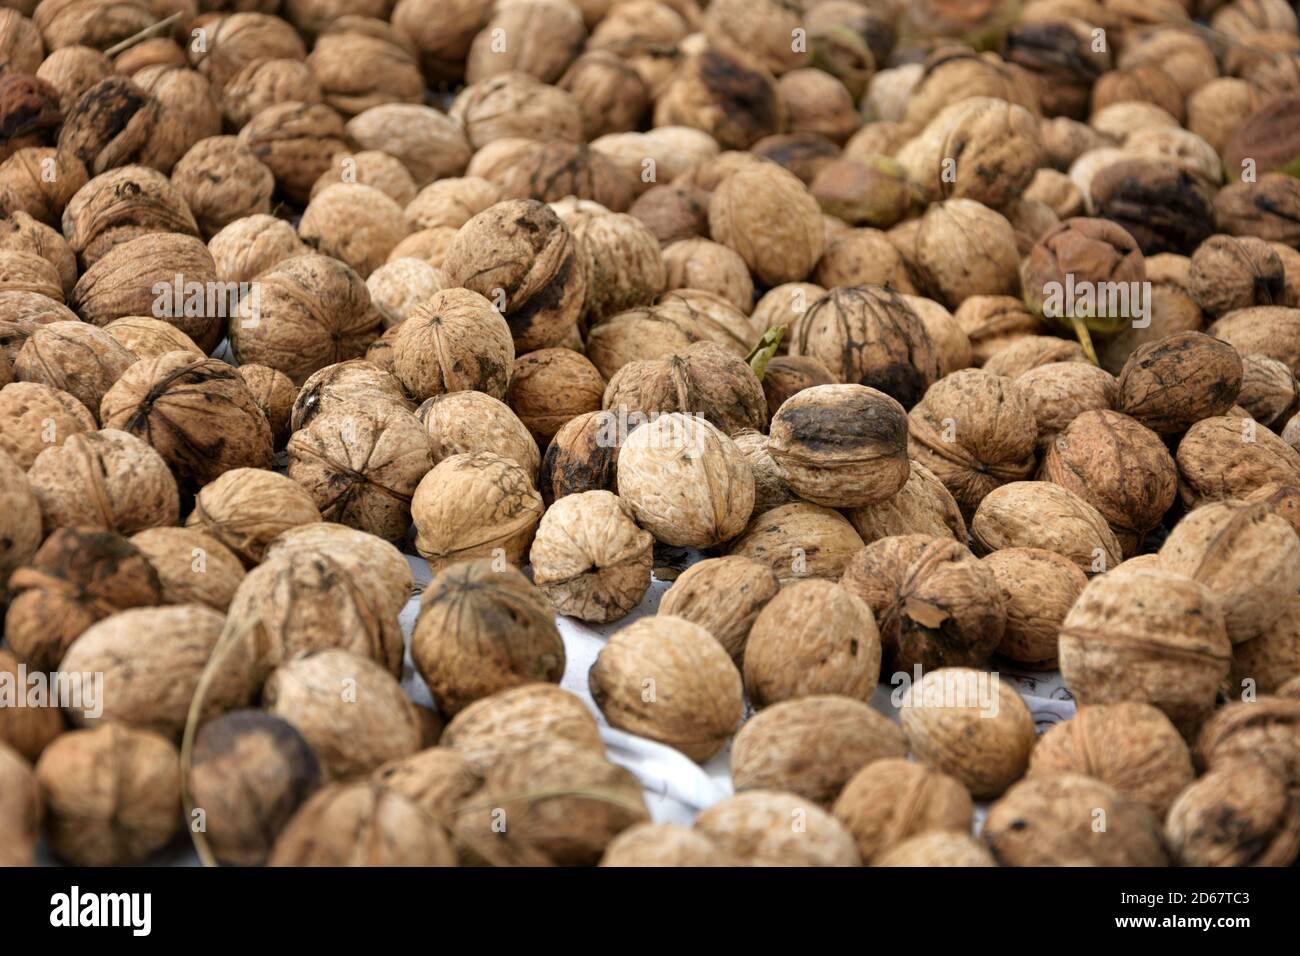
x=295, y=141
x=789, y=656
x=799, y=540
x=1049, y=819
x=1271, y=331
x=1240, y=814
x=361, y=823
x=520, y=250
x=787, y=375
x=75, y=357
x=169, y=276
x=147, y=338
x=513, y=720
x=991, y=322
x=77, y=577
x=695, y=596
x=305, y=599
x=193, y=567
x=673, y=212
x=623, y=263
x=28, y=272
x=361, y=63
x=154, y=399
x=1059, y=392
x=966, y=249
x=246, y=508
x=935, y=604
x=1145, y=392
x=725, y=94
x=456, y=340
x=1265, y=208
x=473, y=505
x=753, y=828
x=1146, y=635
x=20, y=528
x=1040, y=514
x=120, y=205
x=780, y=237
x=517, y=105
x=262, y=83
x=252, y=245
x=697, y=697
x=935, y=802
x=72, y=70
x=20, y=40
x=354, y=382
x=106, y=479
x=112, y=794
x=248, y=774
x=1164, y=208
x=353, y=222
x=582, y=456
x=697, y=263
x=310, y=311
x=610, y=94
x=1118, y=466
x=1228, y=457
x=21, y=233
x=975, y=431
x=26, y=182
x=1038, y=588
x=366, y=557
x=1217, y=108
x=370, y=168
x=450, y=202
x=116, y=122
x=37, y=417
x=1229, y=273
x=468, y=421
x=222, y=181
x=361, y=465
x=185, y=100
x=661, y=844
x=550, y=387
x=841, y=445
x=1247, y=557
x=704, y=381
x=546, y=34
x=550, y=170
x=239, y=39
x=274, y=394
x=589, y=557
x=685, y=481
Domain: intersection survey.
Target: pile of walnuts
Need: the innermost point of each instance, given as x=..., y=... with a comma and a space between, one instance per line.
x=943, y=337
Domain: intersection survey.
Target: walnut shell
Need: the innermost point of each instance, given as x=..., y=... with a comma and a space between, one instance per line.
x=438, y=779
x=25, y=731
x=624, y=266
x=975, y=431
x=1263, y=330
x=725, y=94
x=475, y=505
x=755, y=829
x=679, y=318
x=295, y=140
x=39, y=181
x=668, y=679
x=75, y=357
x=1263, y=729
x=547, y=36
x=787, y=375
x=582, y=456
x=685, y=481
x=1271, y=659
x=361, y=63
x=1053, y=820
x=768, y=216
x=673, y=212
x=484, y=628
x=704, y=380
x=353, y=222
x=724, y=596
x=610, y=95
x=430, y=144
x=1118, y=466
x=1229, y=457
x=106, y=479
x=223, y=181
x=590, y=558
x=120, y=205
x=550, y=387
x=354, y=382
x=361, y=823
x=914, y=798
x=450, y=202
x=147, y=338
x=1238, y=815
x=935, y=604
x=193, y=567
x=1247, y=557
x=170, y=277
x=799, y=540
x=22, y=807
x=1039, y=514
x=116, y=122
x=517, y=105
x=922, y=506
x=841, y=445
x=309, y=311
x=521, y=250
x=249, y=772
x=813, y=637
x=37, y=417
x=1059, y=392
x=661, y=844
x=246, y=508
x=937, y=848
x=967, y=249
x=456, y=340
x=813, y=746
x=151, y=660
x=400, y=285
x=371, y=168
x=1164, y=208
x=513, y=720
x=274, y=394
x=365, y=556
x=263, y=83
x=112, y=794
x=1131, y=747
x=1157, y=389
x=361, y=465
x=552, y=170
x=350, y=710
x=22, y=271
x=154, y=400
x=20, y=526
x=1146, y=635
x=21, y=233
x=252, y=245
x=303, y=600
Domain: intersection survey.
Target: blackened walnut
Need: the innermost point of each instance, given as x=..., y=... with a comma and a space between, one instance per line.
x=115, y=123
x=1268, y=209
x=1164, y=208
x=582, y=456
x=726, y=95
x=1230, y=273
